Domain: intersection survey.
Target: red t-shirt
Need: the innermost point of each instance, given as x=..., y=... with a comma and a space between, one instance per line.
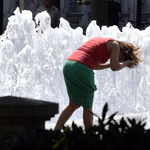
x=92, y=52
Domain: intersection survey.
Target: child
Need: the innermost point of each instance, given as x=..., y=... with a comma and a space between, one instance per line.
x=79, y=75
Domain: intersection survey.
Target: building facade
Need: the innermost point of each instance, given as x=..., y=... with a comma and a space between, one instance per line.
x=79, y=15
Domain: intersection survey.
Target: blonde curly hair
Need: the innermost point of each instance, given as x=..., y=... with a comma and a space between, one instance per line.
x=131, y=52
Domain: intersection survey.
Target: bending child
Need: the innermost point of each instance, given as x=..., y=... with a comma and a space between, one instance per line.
x=79, y=75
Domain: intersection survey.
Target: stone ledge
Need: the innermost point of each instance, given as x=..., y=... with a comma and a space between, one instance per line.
x=23, y=114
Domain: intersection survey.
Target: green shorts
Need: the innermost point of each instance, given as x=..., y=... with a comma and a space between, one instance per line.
x=80, y=84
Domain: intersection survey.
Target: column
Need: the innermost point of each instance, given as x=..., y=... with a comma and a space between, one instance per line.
x=22, y=4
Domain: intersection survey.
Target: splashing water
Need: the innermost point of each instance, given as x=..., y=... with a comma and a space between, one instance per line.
x=31, y=62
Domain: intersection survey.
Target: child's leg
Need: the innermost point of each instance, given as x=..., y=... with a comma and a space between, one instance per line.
x=87, y=117
x=65, y=115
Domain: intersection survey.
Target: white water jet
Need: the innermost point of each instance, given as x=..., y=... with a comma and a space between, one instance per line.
x=31, y=62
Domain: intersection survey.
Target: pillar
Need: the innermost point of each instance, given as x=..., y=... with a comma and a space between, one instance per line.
x=22, y=4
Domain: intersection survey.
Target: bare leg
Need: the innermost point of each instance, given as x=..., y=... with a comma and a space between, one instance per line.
x=65, y=115
x=87, y=117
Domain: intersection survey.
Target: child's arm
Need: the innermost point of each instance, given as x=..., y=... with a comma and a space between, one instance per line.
x=102, y=66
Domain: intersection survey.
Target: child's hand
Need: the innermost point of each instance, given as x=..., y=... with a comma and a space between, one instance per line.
x=130, y=63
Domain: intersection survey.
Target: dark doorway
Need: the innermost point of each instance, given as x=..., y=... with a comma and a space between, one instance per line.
x=56, y=3
x=1, y=17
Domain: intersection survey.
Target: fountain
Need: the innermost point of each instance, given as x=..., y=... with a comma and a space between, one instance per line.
x=31, y=62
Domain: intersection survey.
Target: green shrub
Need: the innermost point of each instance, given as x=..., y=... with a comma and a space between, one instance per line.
x=107, y=135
